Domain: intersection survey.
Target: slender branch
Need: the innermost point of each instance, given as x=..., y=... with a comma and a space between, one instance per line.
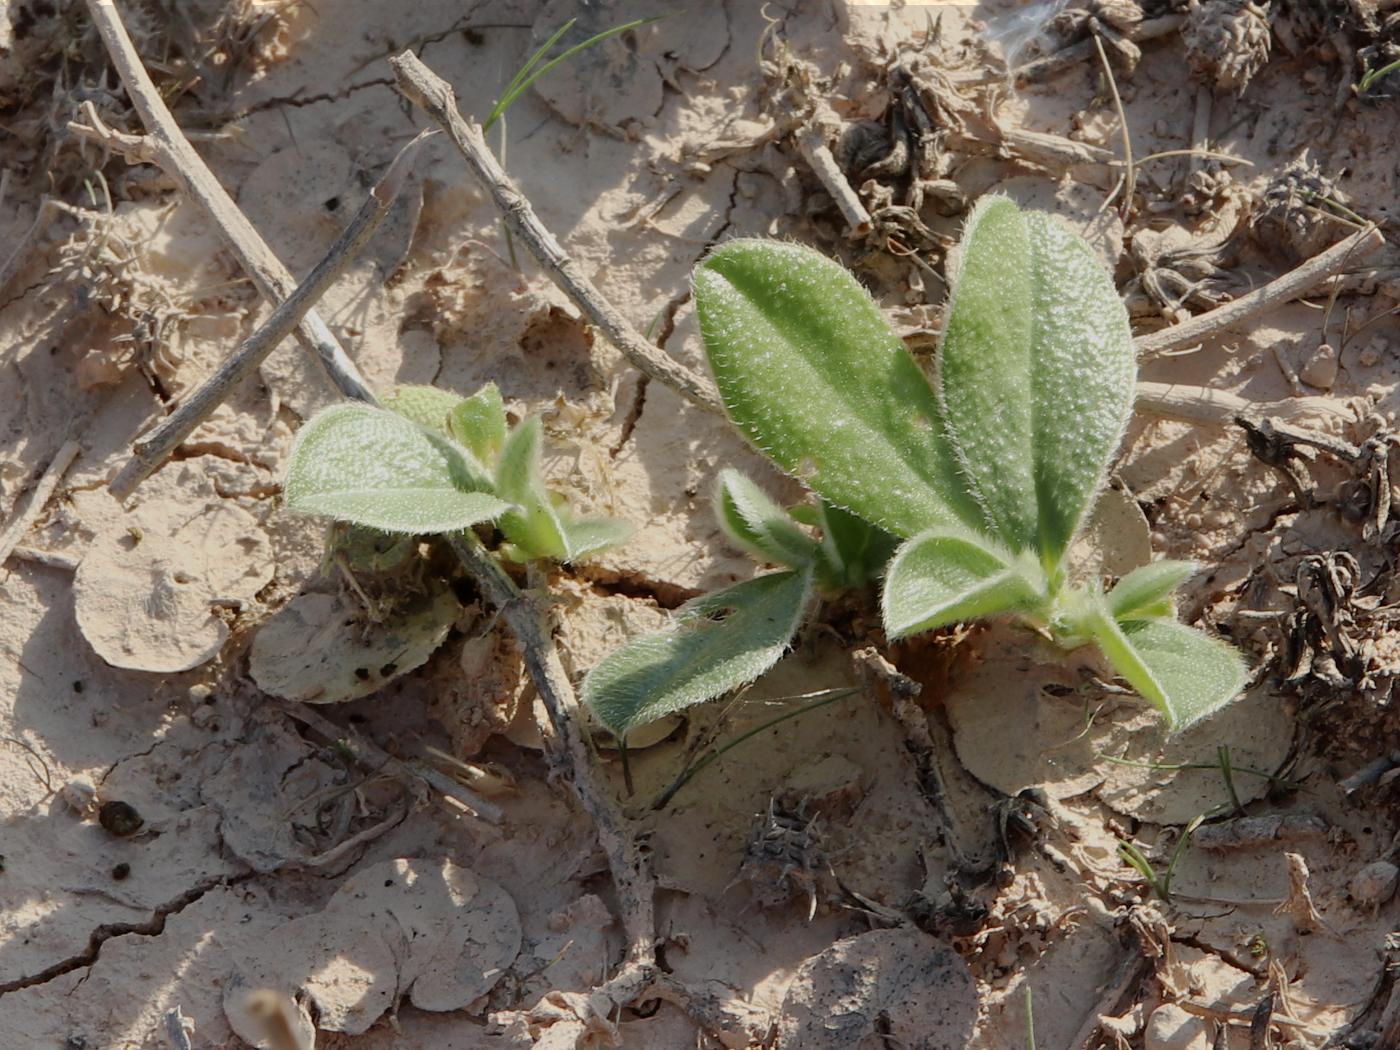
x=167, y=147
x=428, y=91
x=38, y=499
x=811, y=143
x=376, y=759
x=152, y=450
x=1200, y=404
x=631, y=870
x=1277, y=292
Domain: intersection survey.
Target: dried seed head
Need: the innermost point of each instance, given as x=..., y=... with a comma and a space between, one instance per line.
x=1227, y=41
x=784, y=857
x=1292, y=212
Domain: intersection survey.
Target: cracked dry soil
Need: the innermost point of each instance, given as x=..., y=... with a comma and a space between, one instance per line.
x=901, y=868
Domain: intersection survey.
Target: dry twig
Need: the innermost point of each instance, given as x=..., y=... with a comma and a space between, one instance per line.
x=166, y=146
x=152, y=450
x=425, y=89
x=38, y=499
x=1220, y=408
x=1277, y=292
x=376, y=759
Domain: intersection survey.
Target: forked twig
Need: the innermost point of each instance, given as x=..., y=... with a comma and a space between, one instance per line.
x=428, y=91
x=151, y=451
x=166, y=146
x=1277, y=292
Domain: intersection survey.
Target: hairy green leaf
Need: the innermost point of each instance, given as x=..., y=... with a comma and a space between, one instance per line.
x=853, y=550
x=701, y=657
x=1147, y=589
x=1183, y=672
x=425, y=405
x=1036, y=373
x=534, y=527
x=815, y=377
x=758, y=525
x=479, y=423
x=945, y=577
x=585, y=536
x=370, y=467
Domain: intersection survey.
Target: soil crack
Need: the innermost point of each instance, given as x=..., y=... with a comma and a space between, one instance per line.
x=152, y=927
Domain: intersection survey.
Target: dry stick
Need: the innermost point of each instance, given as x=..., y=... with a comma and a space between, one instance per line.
x=1202, y=404
x=811, y=143
x=37, y=500
x=425, y=89
x=1130, y=172
x=1150, y=29
x=373, y=757
x=165, y=146
x=1275, y=293
x=152, y=450
x=631, y=871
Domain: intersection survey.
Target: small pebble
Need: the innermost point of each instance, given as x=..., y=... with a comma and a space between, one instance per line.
x=1375, y=883
x=79, y=794
x=120, y=818
x=1172, y=1028
x=1320, y=370
x=121, y=871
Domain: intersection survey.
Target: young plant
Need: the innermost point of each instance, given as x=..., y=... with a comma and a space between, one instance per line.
x=723, y=640
x=431, y=462
x=988, y=472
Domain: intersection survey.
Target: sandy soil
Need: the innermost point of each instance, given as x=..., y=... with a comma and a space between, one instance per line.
x=261, y=856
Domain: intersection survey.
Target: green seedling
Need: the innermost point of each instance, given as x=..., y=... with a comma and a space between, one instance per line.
x=724, y=640
x=986, y=474
x=431, y=462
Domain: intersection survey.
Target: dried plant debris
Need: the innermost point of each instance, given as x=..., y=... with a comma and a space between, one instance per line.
x=424, y=929
x=157, y=587
x=1227, y=41
x=1112, y=21
x=896, y=987
x=1180, y=271
x=783, y=861
x=324, y=648
x=1297, y=211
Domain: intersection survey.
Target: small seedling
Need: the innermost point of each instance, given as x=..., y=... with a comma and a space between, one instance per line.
x=986, y=473
x=431, y=462
x=723, y=640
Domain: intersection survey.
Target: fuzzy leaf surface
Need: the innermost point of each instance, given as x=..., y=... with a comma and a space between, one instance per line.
x=815, y=377
x=534, y=527
x=943, y=577
x=1147, y=588
x=585, y=536
x=370, y=467
x=479, y=423
x=425, y=405
x=854, y=551
x=1183, y=672
x=1036, y=373
x=755, y=523
x=699, y=658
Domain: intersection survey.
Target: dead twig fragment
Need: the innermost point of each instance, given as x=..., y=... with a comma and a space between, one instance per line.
x=811, y=143
x=376, y=759
x=178, y=1029
x=1067, y=57
x=1220, y=408
x=156, y=447
x=1299, y=906
x=425, y=89
x=38, y=499
x=1253, y=832
x=166, y=146
x=1277, y=292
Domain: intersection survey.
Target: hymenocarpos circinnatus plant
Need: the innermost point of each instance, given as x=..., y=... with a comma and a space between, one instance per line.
x=985, y=473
